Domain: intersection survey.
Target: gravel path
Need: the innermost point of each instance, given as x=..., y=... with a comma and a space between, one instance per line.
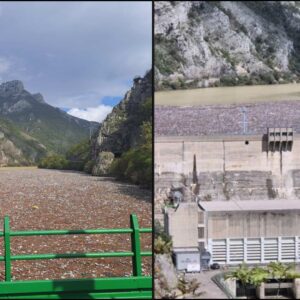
x=37, y=199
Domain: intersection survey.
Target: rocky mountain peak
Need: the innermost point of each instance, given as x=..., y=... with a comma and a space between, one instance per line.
x=11, y=87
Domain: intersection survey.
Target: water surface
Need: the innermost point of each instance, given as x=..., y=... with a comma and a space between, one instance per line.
x=229, y=95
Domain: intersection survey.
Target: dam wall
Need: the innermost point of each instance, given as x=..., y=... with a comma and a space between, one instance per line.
x=228, y=167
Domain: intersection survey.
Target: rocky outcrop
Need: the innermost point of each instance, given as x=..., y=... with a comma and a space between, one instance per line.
x=211, y=43
x=120, y=130
x=11, y=88
x=171, y=284
x=39, y=97
x=104, y=161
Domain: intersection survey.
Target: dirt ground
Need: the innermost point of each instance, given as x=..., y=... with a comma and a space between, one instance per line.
x=36, y=199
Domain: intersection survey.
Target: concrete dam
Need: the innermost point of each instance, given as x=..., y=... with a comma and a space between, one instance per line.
x=229, y=156
x=229, y=167
x=234, y=183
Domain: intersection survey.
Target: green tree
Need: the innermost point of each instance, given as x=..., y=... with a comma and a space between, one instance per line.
x=258, y=275
x=54, y=161
x=279, y=272
x=243, y=274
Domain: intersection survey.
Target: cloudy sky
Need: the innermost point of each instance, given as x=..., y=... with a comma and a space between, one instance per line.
x=82, y=56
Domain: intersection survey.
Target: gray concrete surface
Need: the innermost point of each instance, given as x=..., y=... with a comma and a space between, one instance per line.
x=209, y=288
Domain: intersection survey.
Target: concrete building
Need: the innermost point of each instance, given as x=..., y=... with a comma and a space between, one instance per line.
x=233, y=232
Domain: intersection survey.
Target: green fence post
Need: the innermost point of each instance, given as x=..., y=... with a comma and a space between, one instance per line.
x=136, y=246
x=7, y=249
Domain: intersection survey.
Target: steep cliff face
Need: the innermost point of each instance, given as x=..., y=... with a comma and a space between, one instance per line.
x=120, y=130
x=211, y=43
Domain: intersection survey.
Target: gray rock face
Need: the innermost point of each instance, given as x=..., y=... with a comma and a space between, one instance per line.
x=164, y=262
x=120, y=130
x=39, y=97
x=18, y=106
x=103, y=163
x=200, y=43
x=11, y=88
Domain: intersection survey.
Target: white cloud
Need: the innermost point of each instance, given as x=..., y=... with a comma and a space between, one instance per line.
x=97, y=114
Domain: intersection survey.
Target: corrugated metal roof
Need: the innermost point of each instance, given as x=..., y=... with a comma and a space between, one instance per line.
x=250, y=205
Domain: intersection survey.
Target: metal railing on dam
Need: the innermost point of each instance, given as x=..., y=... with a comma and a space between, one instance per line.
x=135, y=286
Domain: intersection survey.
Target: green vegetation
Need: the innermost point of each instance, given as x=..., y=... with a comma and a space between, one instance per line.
x=263, y=78
x=228, y=57
x=77, y=158
x=135, y=164
x=257, y=275
x=53, y=161
x=167, y=55
x=79, y=155
x=194, y=14
x=162, y=241
x=243, y=274
x=31, y=149
x=279, y=272
x=188, y=287
x=56, y=130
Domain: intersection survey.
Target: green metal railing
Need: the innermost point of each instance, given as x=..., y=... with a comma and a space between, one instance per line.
x=136, y=286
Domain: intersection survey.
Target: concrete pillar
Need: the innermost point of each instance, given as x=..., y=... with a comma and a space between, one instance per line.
x=209, y=249
x=262, y=248
x=227, y=251
x=260, y=291
x=245, y=250
x=231, y=285
x=296, y=288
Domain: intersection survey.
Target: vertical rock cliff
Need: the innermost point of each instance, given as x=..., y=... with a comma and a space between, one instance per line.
x=211, y=43
x=120, y=131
